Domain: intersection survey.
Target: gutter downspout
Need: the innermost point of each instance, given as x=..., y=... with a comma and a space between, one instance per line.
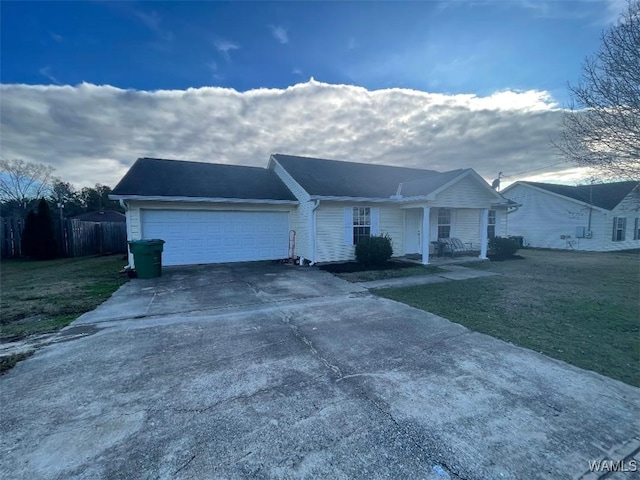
x=125, y=207
x=313, y=232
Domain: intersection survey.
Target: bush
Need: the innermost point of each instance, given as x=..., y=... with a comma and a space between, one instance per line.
x=38, y=237
x=374, y=250
x=501, y=247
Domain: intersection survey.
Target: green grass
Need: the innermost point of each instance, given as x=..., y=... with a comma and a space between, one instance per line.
x=42, y=297
x=578, y=307
x=369, y=275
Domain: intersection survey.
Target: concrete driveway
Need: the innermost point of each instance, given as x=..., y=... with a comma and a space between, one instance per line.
x=271, y=371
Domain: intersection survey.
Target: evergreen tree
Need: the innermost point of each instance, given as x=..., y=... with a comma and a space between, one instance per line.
x=46, y=238
x=29, y=240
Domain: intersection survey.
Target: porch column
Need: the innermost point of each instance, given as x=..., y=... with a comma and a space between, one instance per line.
x=484, y=223
x=424, y=238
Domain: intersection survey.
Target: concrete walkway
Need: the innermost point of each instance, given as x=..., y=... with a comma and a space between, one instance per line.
x=453, y=272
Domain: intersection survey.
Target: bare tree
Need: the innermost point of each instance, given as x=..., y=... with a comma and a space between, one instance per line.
x=602, y=128
x=22, y=182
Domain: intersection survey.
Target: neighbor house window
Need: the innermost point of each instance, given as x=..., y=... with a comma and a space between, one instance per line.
x=444, y=223
x=636, y=230
x=491, y=224
x=361, y=223
x=619, y=227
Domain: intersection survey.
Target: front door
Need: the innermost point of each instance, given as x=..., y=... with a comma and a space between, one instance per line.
x=412, y=230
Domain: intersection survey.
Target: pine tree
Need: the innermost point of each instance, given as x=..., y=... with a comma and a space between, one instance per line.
x=46, y=238
x=28, y=239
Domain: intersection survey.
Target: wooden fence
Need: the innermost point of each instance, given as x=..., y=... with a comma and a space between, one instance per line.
x=74, y=238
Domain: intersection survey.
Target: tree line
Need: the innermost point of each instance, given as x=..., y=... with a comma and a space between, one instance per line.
x=23, y=184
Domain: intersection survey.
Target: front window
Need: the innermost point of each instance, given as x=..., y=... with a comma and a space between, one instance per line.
x=619, y=227
x=444, y=223
x=636, y=230
x=361, y=223
x=491, y=224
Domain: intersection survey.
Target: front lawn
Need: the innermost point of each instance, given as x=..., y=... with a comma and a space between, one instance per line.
x=44, y=296
x=357, y=272
x=582, y=308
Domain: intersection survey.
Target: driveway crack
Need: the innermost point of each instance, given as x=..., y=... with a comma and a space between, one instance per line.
x=286, y=319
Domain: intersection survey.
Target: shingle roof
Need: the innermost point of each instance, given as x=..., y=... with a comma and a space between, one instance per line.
x=153, y=177
x=333, y=178
x=102, y=216
x=603, y=195
x=426, y=185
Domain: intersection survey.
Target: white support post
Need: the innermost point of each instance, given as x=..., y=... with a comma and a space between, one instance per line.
x=484, y=223
x=424, y=238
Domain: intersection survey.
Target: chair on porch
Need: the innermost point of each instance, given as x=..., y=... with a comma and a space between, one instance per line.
x=455, y=246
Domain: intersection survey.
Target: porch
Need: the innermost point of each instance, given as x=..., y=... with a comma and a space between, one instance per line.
x=429, y=232
x=438, y=260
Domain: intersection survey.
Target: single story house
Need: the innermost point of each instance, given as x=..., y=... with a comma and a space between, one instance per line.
x=600, y=217
x=311, y=208
x=101, y=216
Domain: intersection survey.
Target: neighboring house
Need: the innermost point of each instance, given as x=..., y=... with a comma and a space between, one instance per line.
x=101, y=216
x=601, y=217
x=210, y=213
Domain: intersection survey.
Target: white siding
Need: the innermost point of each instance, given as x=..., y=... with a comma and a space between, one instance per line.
x=543, y=218
x=302, y=217
x=467, y=226
x=629, y=208
x=330, y=245
x=466, y=193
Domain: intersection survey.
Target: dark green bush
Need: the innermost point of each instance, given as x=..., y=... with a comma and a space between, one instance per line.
x=374, y=250
x=38, y=236
x=501, y=247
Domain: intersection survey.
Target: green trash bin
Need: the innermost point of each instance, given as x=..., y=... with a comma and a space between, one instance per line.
x=147, y=257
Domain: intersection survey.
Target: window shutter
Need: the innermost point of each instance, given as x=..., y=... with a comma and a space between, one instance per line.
x=624, y=228
x=636, y=231
x=375, y=221
x=348, y=226
x=615, y=224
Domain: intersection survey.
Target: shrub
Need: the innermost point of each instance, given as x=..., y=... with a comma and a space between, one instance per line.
x=503, y=247
x=374, y=250
x=38, y=236
x=29, y=235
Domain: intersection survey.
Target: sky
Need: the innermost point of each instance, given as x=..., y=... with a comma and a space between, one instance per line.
x=88, y=87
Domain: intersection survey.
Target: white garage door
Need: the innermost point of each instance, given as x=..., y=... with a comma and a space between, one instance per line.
x=196, y=236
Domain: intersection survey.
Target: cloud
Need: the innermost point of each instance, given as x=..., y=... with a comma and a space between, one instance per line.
x=92, y=134
x=46, y=72
x=297, y=71
x=57, y=37
x=225, y=46
x=279, y=33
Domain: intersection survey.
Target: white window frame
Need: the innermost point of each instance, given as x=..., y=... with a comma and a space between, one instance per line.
x=444, y=222
x=361, y=223
x=491, y=223
x=356, y=217
x=619, y=229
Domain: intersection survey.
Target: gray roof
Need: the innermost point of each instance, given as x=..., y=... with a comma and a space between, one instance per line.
x=603, y=195
x=153, y=177
x=333, y=178
x=426, y=185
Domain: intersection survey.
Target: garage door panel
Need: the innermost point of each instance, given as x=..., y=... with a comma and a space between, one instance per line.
x=200, y=236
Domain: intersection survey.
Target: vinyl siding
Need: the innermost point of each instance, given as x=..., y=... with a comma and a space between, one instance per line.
x=543, y=218
x=629, y=208
x=466, y=193
x=303, y=214
x=330, y=245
